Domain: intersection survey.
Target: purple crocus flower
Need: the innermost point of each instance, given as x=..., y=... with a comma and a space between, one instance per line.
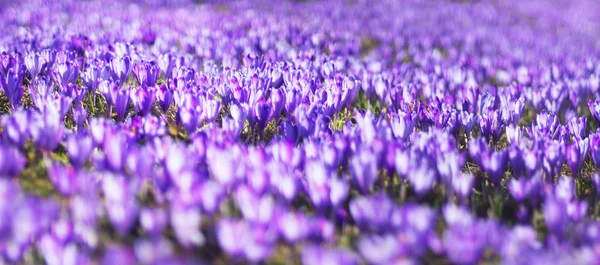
x=477, y=149
x=594, y=108
x=186, y=221
x=314, y=255
x=153, y=221
x=466, y=244
x=277, y=101
x=80, y=116
x=293, y=226
x=421, y=174
x=211, y=110
x=85, y=212
x=77, y=94
x=462, y=185
x=596, y=182
x=554, y=156
x=115, y=254
x=64, y=178
x=211, y=196
x=255, y=208
x=364, y=170
x=514, y=134
x=166, y=63
x=232, y=235
x=146, y=73
x=577, y=126
x=79, y=147
x=92, y=75
x=403, y=124
x=115, y=150
x=190, y=118
x=121, y=102
x=16, y=127
x=120, y=202
x=12, y=87
x=555, y=215
x=120, y=69
x=372, y=213
x=143, y=99
x=47, y=128
x=164, y=96
x=520, y=239
x=382, y=249
x=594, y=140
x=155, y=251
x=260, y=112
x=49, y=57
x=12, y=161
x=34, y=63
x=56, y=252
x=467, y=120
x=495, y=164
x=575, y=155
x=66, y=73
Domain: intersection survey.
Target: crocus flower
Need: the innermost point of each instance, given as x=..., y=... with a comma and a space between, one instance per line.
x=364, y=170
x=34, y=63
x=164, y=97
x=465, y=245
x=121, y=206
x=166, y=63
x=55, y=252
x=146, y=73
x=143, y=99
x=115, y=254
x=594, y=108
x=595, y=148
x=80, y=116
x=12, y=161
x=154, y=251
x=121, y=102
x=495, y=165
x=16, y=127
x=66, y=73
x=153, y=221
x=64, y=178
x=372, y=213
x=463, y=184
x=383, y=249
x=79, y=147
x=189, y=118
x=514, y=134
x=255, y=208
x=186, y=224
x=73, y=92
x=47, y=128
x=231, y=235
x=12, y=87
x=277, y=101
x=120, y=69
x=314, y=255
x=293, y=226
x=92, y=75
x=554, y=157
x=211, y=110
x=421, y=174
x=555, y=215
x=261, y=115
x=115, y=149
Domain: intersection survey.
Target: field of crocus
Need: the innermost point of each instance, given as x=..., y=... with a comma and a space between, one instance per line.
x=300, y=132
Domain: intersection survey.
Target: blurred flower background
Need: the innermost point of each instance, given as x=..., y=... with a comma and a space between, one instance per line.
x=300, y=132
